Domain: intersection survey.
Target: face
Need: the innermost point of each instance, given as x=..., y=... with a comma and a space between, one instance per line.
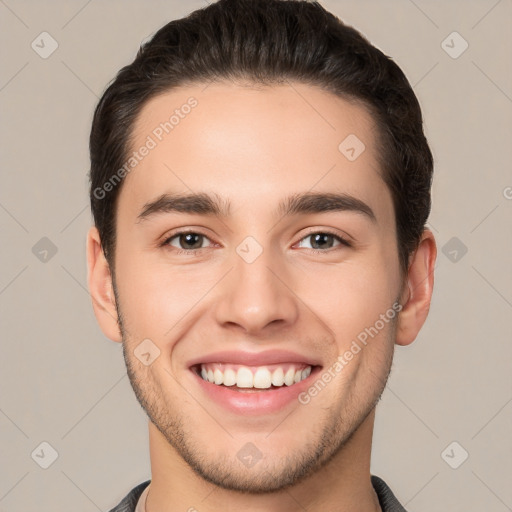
x=247, y=287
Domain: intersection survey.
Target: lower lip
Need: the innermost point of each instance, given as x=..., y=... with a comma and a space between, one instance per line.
x=255, y=402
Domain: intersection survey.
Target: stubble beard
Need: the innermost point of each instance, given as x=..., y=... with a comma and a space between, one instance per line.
x=226, y=471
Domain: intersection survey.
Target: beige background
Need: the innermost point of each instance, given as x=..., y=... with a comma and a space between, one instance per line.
x=64, y=383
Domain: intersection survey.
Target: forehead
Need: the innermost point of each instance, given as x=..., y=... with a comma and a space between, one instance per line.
x=248, y=143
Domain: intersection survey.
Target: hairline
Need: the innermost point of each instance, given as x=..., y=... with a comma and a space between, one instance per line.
x=245, y=80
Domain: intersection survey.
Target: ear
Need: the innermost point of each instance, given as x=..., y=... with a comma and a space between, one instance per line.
x=100, y=287
x=418, y=288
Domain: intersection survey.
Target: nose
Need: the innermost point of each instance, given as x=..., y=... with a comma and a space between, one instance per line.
x=255, y=296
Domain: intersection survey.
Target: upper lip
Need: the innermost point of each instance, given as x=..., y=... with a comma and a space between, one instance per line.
x=254, y=358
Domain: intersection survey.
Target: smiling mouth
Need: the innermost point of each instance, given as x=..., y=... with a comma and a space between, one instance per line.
x=252, y=379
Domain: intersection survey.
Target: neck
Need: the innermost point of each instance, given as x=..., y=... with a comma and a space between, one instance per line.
x=343, y=484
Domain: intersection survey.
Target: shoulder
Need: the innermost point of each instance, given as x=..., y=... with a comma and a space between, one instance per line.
x=387, y=500
x=129, y=502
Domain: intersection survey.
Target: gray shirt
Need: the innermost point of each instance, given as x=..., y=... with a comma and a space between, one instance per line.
x=387, y=499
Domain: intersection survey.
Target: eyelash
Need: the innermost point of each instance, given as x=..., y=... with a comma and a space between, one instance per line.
x=166, y=242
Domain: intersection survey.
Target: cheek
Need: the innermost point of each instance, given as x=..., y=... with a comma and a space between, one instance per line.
x=144, y=295
x=157, y=298
x=351, y=296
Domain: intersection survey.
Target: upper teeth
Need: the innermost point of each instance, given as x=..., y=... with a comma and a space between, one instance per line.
x=260, y=377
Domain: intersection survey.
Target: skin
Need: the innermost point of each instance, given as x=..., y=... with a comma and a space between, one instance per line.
x=255, y=146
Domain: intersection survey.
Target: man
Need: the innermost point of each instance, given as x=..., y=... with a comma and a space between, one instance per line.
x=260, y=183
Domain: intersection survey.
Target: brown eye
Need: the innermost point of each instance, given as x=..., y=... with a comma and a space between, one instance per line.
x=186, y=241
x=323, y=240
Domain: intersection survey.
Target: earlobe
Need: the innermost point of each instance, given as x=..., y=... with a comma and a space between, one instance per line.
x=100, y=287
x=418, y=294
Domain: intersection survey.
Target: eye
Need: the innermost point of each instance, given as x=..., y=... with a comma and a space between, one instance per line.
x=322, y=241
x=186, y=241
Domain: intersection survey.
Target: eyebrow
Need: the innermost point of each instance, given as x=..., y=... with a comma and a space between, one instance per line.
x=214, y=205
